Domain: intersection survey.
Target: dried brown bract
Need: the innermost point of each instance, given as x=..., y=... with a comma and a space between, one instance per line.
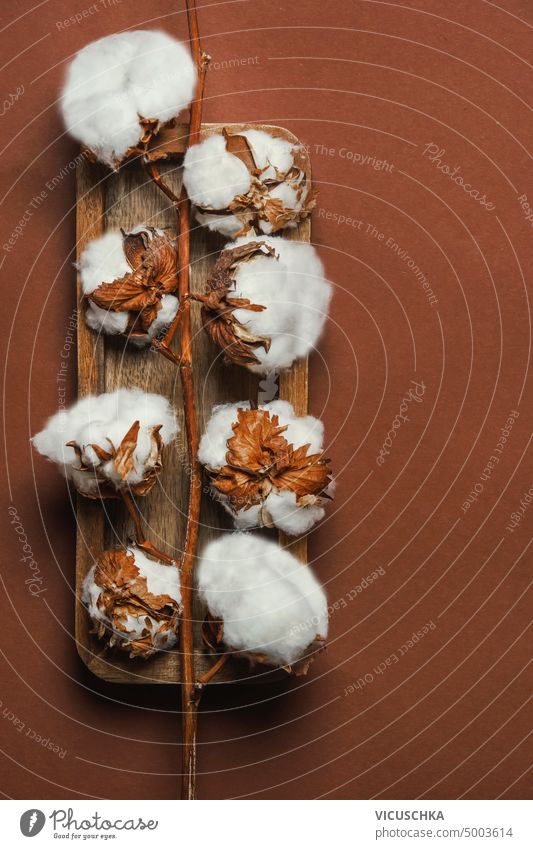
x=260, y=460
x=219, y=304
x=109, y=466
x=123, y=609
x=153, y=260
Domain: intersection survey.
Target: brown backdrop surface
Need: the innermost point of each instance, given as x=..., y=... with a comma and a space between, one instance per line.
x=385, y=94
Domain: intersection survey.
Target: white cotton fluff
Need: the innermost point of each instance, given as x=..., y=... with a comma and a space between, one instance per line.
x=161, y=579
x=114, y=81
x=270, y=603
x=102, y=261
x=292, y=518
x=296, y=296
x=97, y=419
x=213, y=178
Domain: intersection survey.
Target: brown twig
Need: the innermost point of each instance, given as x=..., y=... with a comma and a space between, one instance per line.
x=210, y=674
x=189, y=690
x=153, y=172
x=201, y=60
x=182, y=319
x=189, y=698
x=140, y=538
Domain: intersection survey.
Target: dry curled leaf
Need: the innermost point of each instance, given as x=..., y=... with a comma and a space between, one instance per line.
x=259, y=460
x=153, y=260
x=218, y=308
x=124, y=593
x=123, y=461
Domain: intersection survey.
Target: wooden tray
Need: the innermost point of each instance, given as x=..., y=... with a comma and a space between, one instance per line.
x=105, y=363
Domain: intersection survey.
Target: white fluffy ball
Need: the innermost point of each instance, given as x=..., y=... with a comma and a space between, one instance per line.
x=97, y=419
x=269, y=602
x=113, y=82
x=296, y=296
x=281, y=505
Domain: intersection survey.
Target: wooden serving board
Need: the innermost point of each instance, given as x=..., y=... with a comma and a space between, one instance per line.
x=105, y=363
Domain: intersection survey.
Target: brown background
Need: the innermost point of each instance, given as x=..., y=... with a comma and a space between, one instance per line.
x=377, y=79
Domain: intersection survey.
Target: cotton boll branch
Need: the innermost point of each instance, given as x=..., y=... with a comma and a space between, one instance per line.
x=182, y=320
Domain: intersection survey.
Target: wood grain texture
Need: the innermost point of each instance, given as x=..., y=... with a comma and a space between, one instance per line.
x=111, y=201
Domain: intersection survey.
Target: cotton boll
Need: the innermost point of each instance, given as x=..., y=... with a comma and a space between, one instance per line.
x=114, y=263
x=161, y=579
x=287, y=515
x=248, y=180
x=285, y=302
x=300, y=306
x=212, y=176
x=113, y=83
x=162, y=77
x=272, y=607
x=259, y=469
x=104, y=421
x=300, y=429
x=243, y=520
x=134, y=601
x=213, y=444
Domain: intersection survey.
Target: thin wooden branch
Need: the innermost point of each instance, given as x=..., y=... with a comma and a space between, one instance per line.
x=153, y=172
x=182, y=319
x=210, y=674
x=189, y=698
x=140, y=538
x=201, y=60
